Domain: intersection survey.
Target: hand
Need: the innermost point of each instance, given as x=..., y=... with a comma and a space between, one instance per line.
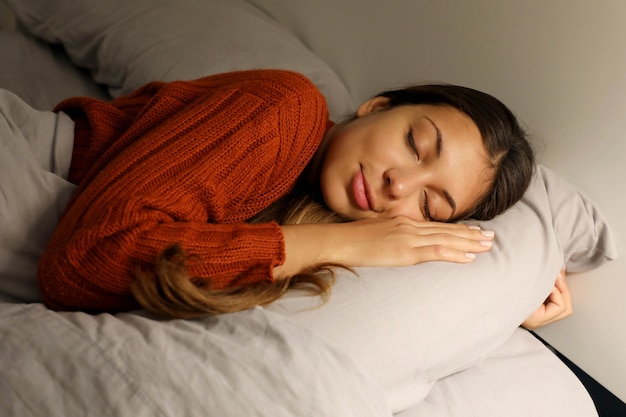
x=401, y=241
x=557, y=306
x=380, y=242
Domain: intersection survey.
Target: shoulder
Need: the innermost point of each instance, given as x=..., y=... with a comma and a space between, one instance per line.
x=268, y=84
x=287, y=98
x=282, y=80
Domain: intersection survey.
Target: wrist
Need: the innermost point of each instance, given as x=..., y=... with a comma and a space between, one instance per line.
x=307, y=245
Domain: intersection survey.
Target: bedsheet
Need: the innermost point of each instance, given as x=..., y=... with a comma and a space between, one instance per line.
x=253, y=363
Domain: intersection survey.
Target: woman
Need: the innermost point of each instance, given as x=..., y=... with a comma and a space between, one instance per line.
x=242, y=188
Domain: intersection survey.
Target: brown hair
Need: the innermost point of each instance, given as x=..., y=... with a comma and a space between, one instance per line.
x=170, y=291
x=511, y=156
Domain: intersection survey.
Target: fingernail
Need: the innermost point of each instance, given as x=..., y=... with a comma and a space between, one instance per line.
x=471, y=226
x=487, y=243
x=470, y=255
x=487, y=233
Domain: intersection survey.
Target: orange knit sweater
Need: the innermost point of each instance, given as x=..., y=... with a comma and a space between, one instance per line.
x=183, y=162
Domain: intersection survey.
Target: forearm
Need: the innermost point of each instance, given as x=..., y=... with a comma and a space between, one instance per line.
x=92, y=257
x=227, y=255
x=379, y=242
x=307, y=245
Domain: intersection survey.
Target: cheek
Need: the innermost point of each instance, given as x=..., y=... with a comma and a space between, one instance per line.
x=335, y=174
x=328, y=192
x=331, y=187
x=406, y=208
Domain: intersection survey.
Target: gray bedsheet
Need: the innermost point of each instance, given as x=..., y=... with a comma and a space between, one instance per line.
x=253, y=363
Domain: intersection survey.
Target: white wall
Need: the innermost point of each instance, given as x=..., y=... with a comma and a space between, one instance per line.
x=559, y=64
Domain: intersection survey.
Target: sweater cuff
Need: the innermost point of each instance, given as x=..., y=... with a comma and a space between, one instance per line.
x=252, y=253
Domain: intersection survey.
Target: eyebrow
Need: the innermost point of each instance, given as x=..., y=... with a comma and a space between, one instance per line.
x=438, y=147
x=439, y=140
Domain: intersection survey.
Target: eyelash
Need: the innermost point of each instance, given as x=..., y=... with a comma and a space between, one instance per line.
x=411, y=141
x=424, y=205
x=425, y=208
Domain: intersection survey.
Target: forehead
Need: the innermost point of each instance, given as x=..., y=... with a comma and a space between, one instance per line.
x=449, y=117
x=465, y=167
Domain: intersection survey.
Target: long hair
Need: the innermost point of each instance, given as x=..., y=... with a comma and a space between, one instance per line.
x=172, y=292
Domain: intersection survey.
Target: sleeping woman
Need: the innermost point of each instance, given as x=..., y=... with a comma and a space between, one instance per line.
x=216, y=195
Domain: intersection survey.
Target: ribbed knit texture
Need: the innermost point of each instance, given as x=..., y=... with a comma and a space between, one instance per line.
x=184, y=162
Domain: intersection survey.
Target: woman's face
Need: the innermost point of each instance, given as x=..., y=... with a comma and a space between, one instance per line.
x=423, y=162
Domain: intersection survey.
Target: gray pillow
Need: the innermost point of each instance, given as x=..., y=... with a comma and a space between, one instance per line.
x=35, y=153
x=409, y=327
x=126, y=44
x=40, y=74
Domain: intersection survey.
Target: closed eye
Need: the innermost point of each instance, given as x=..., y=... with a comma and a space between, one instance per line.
x=426, y=208
x=411, y=142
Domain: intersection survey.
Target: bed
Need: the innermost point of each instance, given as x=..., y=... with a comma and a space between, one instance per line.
x=435, y=339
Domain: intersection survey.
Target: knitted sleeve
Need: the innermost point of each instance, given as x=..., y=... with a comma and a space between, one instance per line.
x=197, y=161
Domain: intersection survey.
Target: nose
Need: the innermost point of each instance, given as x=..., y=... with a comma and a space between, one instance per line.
x=401, y=183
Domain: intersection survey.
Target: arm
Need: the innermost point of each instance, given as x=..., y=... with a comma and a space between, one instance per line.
x=192, y=178
x=381, y=242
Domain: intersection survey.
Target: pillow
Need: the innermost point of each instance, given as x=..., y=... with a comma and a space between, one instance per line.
x=33, y=198
x=35, y=153
x=41, y=75
x=521, y=378
x=126, y=44
x=409, y=327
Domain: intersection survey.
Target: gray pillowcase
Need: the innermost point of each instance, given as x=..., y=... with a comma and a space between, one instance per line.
x=41, y=74
x=126, y=44
x=411, y=326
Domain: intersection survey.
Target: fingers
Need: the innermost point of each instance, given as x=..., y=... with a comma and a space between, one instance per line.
x=555, y=304
x=460, y=230
x=453, y=248
x=463, y=230
x=442, y=253
x=563, y=296
x=558, y=305
x=560, y=282
x=402, y=241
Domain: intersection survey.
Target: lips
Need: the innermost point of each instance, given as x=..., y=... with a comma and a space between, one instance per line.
x=360, y=192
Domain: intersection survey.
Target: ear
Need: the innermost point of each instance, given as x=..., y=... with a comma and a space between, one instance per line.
x=371, y=105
